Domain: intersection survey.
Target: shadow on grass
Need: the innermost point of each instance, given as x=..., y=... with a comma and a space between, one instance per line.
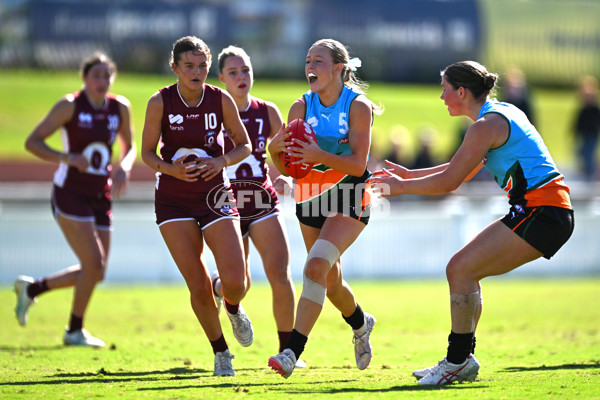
x=290, y=387
x=403, y=388
x=103, y=376
x=593, y=365
x=10, y=349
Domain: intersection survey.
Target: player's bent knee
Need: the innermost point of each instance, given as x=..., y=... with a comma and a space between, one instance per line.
x=327, y=251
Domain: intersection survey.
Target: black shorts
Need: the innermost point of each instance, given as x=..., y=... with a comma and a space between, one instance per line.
x=314, y=213
x=546, y=228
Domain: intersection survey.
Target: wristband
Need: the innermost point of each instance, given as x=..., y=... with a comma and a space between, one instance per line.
x=227, y=159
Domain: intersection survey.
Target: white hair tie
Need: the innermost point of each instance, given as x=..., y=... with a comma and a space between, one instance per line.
x=354, y=63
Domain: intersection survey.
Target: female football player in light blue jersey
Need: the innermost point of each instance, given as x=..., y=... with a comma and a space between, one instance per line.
x=539, y=221
x=333, y=200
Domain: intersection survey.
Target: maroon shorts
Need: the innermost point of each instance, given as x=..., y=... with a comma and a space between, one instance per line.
x=82, y=207
x=255, y=202
x=170, y=207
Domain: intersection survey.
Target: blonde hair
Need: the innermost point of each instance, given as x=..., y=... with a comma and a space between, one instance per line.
x=232, y=51
x=340, y=55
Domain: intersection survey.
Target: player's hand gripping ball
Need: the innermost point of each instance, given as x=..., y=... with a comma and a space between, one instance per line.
x=299, y=129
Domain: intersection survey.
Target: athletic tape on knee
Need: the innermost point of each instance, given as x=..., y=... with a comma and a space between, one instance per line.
x=311, y=290
x=324, y=249
x=463, y=307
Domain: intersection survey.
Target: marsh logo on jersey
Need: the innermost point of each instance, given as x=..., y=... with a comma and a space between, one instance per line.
x=175, y=119
x=250, y=196
x=85, y=120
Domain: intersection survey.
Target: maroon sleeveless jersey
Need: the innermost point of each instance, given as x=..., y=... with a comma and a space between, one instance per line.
x=92, y=133
x=190, y=132
x=253, y=167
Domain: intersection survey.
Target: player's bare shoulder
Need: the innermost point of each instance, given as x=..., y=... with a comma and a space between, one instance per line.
x=155, y=103
x=361, y=104
x=124, y=101
x=64, y=108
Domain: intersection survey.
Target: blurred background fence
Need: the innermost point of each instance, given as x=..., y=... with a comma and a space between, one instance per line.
x=410, y=238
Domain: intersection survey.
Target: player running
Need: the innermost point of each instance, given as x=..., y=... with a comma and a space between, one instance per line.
x=256, y=199
x=186, y=118
x=90, y=121
x=333, y=201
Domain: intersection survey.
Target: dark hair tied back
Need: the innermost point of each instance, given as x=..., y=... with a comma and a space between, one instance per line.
x=472, y=76
x=489, y=81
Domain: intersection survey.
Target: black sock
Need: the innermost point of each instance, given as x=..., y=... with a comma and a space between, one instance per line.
x=283, y=338
x=357, y=319
x=473, y=345
x=232, y=309
x=219, y=345
x=37, y=288
x=459, y=347
x=75, y=324
x=296, y=343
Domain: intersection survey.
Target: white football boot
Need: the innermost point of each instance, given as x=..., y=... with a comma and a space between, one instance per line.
x=362, y=345
x=81, y=338
x=223, y=365
x=446, y=372
x=420, y=373
x=23, y=300
x=284, y=363
x=242, y=327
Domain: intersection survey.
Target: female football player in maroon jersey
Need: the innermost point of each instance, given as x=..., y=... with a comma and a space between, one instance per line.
x=90, y=120
x=193, y=198
x=257, y=200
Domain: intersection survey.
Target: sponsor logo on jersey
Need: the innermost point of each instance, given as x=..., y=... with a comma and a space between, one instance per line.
x=210, y=140
x=344, y=140
x=192, y=116
x=85, y=120
x=175, y=119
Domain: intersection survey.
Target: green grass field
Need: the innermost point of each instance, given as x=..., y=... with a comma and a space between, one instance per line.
x=537, y=339
x=411, y=106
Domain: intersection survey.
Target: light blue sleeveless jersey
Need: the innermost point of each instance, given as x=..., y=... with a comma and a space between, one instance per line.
x=523, y=162
x=330, y=123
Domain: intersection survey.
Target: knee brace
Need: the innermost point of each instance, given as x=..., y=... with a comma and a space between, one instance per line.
x=311, y=290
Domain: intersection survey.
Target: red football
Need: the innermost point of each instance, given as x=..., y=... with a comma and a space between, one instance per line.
x=299, y=129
